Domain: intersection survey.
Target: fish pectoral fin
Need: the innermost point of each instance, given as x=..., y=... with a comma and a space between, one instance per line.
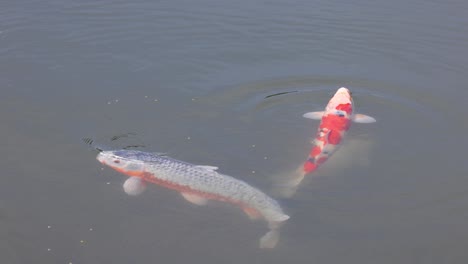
x=314, y=115
x=134, y=186
x=193, y=198
x=365, y=119
x=206, y=167
x=252, y=213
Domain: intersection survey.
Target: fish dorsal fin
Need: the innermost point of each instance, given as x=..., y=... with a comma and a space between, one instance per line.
x=314, y=115
x=162, y=154
x=365, y=119
x=193, y=198
x=206, y=167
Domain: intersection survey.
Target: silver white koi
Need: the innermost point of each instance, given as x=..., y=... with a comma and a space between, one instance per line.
x=197, y=184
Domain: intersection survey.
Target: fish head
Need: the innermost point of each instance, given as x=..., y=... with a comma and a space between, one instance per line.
x=121, y=161
x=341, y=104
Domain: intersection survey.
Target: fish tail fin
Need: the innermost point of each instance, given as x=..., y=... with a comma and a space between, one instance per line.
x=270, y=239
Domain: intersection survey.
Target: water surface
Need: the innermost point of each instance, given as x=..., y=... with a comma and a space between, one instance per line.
x=190, y=79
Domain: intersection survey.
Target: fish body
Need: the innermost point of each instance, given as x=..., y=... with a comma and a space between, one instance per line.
x=335, y=121
x=196, y=183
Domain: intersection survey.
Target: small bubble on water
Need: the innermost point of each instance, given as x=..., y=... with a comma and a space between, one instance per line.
x=116, y=100
x=188, y=138
x=109, y=103
x=265, y=157
x=253, y=146
x=146, y=96
x=49, y=249
x=91, y=229
x=49, y=227
x=253, y=171
x=107, y=183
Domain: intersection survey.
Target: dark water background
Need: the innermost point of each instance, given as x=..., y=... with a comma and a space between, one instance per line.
x=190, y=78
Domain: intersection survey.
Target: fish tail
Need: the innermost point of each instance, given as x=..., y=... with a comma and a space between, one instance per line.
x=288, y=184
x=270, y=239
x=275, y=225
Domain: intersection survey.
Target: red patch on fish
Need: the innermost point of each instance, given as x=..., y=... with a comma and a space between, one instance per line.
x=126, y=172
x=334, y=137
x=309, y=166
x=333, y=122
x=330, y=132
x=315, y=151
x=348, y=108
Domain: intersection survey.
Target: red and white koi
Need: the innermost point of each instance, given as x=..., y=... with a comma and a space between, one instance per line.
x=335, y=122
x=197, y=184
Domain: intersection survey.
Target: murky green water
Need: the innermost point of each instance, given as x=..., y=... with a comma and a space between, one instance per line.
x=190, y=78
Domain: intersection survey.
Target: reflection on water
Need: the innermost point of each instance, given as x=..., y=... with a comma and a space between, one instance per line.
x=191, y=80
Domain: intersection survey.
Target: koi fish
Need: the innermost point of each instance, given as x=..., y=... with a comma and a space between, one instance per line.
x=335, y=122
x=197, y=184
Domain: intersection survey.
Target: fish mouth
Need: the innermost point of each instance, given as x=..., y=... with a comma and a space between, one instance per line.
x=342, y=95
x=101, y=158
x=344, y=91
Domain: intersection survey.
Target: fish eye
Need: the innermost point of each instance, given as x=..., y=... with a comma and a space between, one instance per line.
x=116, y=161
